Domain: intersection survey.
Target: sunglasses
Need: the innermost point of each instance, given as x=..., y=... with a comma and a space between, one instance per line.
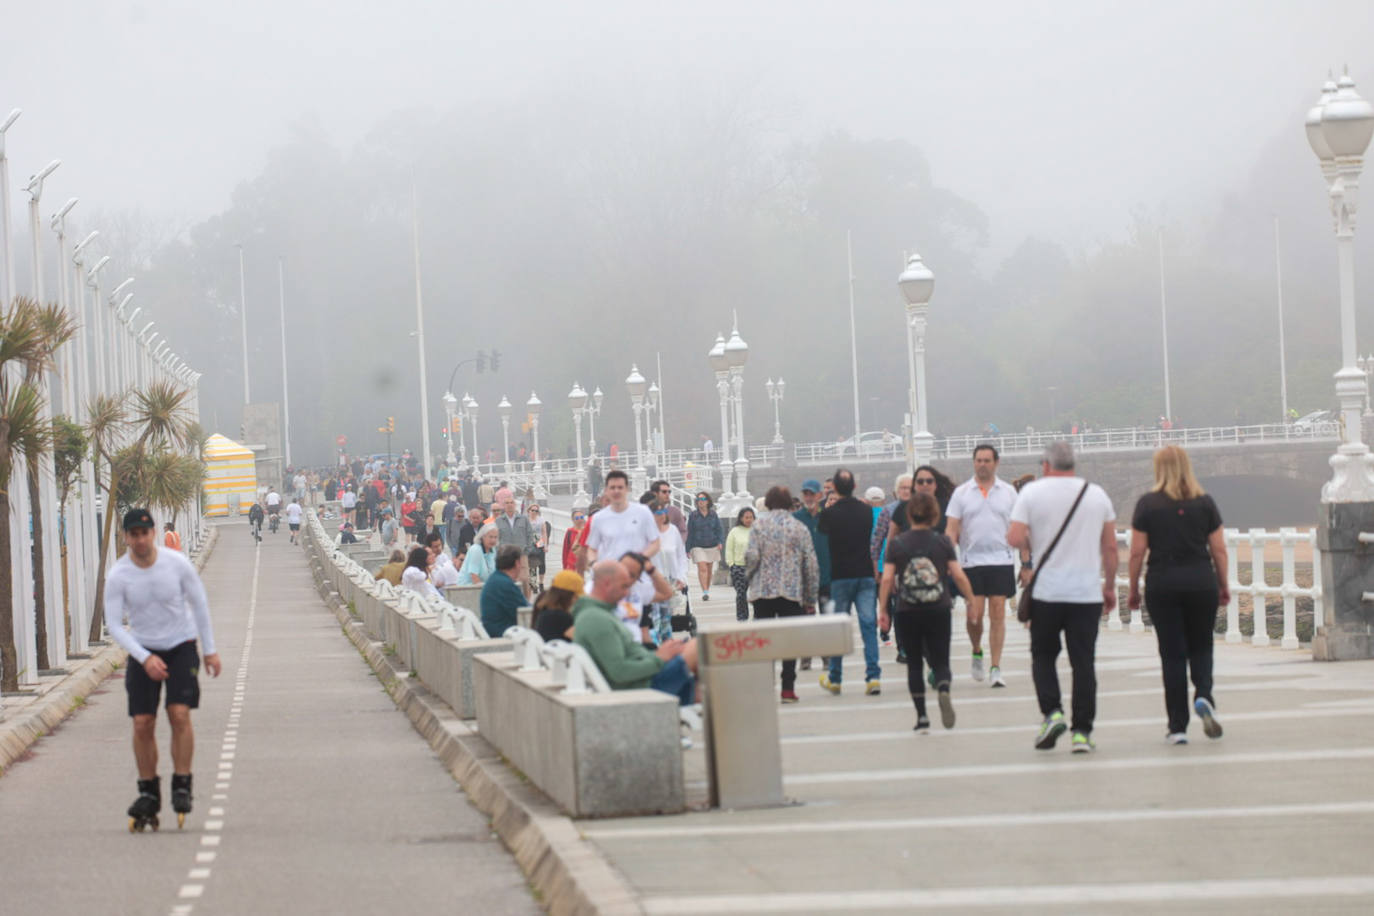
x=578, y=518
x=925, y=480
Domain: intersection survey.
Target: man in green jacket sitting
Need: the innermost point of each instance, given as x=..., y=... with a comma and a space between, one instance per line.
x=626, y=664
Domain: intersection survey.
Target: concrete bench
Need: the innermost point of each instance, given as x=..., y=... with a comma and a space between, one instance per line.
x=596, y=754
x=743, y=753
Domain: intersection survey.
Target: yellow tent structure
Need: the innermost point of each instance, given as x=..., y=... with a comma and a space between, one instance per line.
x=231, y=480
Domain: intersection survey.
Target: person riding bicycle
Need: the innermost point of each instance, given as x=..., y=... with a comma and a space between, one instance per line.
x=255, y=515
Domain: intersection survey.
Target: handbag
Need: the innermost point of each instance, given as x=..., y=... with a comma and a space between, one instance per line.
x=1026, y=607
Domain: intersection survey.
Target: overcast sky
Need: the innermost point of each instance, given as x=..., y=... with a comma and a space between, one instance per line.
x=1057, y=119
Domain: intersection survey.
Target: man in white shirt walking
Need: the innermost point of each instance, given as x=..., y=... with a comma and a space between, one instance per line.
x=164, y=601
x=624, y=527
x=1074, y=588
x=979, y=512
x=293, y=518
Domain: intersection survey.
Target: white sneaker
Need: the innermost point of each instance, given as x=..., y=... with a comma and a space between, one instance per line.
x=1177, y=738
x=976, y=670
x=995, y=676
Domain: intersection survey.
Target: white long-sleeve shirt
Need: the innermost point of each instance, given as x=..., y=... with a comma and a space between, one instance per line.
x=165, y=604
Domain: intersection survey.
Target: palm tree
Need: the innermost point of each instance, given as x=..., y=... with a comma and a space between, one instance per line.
x=106, y=425
x=161, y=420
x=55, y=327
x=21, y=428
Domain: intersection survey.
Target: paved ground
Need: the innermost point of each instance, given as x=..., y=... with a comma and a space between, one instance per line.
x=313, y=794
x=1274, y=817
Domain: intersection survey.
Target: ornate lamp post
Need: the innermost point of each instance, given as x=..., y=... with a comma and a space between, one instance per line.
x=593, y=411
x=721, y=366
x=1339, y=128
x=532, y=407
x=737, y=354
x=577, y=401
x=917, y=284
x=450, y=404
x=775, y=390
x=504, y=409
x=636, y=385
x=650, y=433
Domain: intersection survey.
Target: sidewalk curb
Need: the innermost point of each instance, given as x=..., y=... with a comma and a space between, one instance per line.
x=18, y=735
x=569, y=875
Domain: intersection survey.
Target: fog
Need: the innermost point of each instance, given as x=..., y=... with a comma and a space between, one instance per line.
x=602, y=182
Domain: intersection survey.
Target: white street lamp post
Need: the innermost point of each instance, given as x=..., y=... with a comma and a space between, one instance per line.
x=636, y=385
x=577, y=400
x=7, y=249
x=1339, y=129
x=472, y=422
x=917, y=283
x=243, y=326
x=504, y=408
x=650, y=433
x=593, y=411
x=721, y=366
x=532, y=407
x=286, y=397
x=450, y=403
x=420, y=336
x=775, y=391
x=737, y=353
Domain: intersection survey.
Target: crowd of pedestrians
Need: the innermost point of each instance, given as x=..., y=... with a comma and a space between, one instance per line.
x=895, y=562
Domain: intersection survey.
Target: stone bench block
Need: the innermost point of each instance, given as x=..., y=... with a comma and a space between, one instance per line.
x=445, y=664
x=613, y=754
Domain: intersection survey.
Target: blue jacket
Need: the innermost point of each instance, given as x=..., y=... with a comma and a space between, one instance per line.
x=704, y=530
x=500, y=598
x=819, y=539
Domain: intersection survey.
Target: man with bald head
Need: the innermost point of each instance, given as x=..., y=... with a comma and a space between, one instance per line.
x=627, y=664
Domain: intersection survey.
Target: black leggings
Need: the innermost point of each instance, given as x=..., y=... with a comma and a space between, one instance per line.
x=923, y=636
x=1184, y=621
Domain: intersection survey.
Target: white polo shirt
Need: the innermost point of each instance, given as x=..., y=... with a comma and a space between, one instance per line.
x=983, y=522
x=1074, y=571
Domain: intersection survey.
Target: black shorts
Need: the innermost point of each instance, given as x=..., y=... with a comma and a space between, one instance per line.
x=183, y=664
x=997, y=581
x=295, y=527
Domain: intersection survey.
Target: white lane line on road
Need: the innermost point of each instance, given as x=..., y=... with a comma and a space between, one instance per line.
x=206, y=857
x=191, y=890
x=1060, y=764
x=198, y=874
x=981, y=821
x=1016, y=896
x=1029, y=729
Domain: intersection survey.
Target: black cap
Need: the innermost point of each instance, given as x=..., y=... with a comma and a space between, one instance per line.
x=138, y=518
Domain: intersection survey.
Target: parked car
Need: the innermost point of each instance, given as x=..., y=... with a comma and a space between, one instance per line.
x=1313, y=418
x=871, y=444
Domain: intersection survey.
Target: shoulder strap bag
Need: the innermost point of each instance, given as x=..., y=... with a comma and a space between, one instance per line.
x=1025, y=608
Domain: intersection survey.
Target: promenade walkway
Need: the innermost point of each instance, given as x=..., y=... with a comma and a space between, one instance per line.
x=313, y=794
x=1274, y=817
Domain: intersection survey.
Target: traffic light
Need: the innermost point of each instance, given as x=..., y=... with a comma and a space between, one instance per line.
x=482, y=361
x=495, y=360
x=457, y=425
x=391, y=424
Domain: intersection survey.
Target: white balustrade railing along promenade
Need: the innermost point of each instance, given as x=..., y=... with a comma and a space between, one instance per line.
x=1253, y=541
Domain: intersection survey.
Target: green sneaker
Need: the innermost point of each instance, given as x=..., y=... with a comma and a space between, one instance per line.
x=930, y=678
x=1050, y=730
x=1082, y=744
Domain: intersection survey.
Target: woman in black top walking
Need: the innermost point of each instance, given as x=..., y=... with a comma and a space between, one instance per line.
x=1179, y=526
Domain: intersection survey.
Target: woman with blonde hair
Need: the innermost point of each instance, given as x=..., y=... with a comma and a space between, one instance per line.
x=1179, y=527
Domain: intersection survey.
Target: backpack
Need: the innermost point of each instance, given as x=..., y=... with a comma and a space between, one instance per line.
x=921, y=582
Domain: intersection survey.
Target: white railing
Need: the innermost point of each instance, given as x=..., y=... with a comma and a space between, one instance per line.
x=1095, y=440
x=1291, y=542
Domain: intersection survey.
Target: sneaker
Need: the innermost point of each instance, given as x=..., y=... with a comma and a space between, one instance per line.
x=946, y=707
x=705, y=596
x=922, y=724
x=1177, y=738
x=887, y=637
x=901, y=656
x=872, y=688
x=827, y=685
x=1082, y=744
x=977, y=669
x=1210, y=726
x=995, y=676
x=789, y=696
x=1050, y=730
x=930, y=678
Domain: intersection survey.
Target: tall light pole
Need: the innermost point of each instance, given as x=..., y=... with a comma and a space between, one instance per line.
x=286, y=397
x=636, y=385
x=504, y=408
x=775, y=391
x=721, y=366
x=243, y=326
x=532, y=407
x=593, y=411
x=917, y=283
x=420, y=334
x=577, y=401
x=1164, y=332
x=737, y=354
x=471, y=406
x=450, y=404
x=7, y=248
x=651, y=411
x=1283, y=359
x=1339, y=129
x=853, y=341
x=662, y=429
